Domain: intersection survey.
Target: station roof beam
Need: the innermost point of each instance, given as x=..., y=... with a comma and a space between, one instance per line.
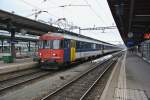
x=131, y=16
x=19, y=22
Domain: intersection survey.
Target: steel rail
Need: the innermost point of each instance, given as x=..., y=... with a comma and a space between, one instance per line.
x=75, y=79
x=101, y=75
x=17, y=74
x=33, y=77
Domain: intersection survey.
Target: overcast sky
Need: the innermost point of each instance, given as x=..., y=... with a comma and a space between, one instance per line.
x=83, y=13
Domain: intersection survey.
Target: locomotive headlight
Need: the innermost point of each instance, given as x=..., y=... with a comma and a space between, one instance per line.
x=40, y=54
x=54, y=54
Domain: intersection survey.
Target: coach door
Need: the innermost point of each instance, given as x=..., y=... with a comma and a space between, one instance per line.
x=102, y=48
x=67, y=50
x=73, y=50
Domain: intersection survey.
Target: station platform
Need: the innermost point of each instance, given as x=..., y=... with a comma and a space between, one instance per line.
x=19, y=64
x=129, y=80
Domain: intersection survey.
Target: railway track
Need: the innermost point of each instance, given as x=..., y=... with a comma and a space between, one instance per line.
x=96, y=90
x=21, y=79
x=78, y=88
x=16, y=74
x=15, y=79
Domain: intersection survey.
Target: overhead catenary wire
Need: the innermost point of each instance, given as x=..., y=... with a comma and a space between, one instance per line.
x=35, y=7
x=100, y=5
x=95, y=12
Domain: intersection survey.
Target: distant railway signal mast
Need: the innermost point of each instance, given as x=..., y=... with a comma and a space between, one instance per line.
x=100, y=28
x=69, y=5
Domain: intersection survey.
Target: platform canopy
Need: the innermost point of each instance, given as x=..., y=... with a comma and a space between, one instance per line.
x=19, y=23
x=132, y=18
x=25, y=39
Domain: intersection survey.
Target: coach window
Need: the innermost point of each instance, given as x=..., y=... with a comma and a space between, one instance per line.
x=100, y=46
x=94, y=46
x=77, y=44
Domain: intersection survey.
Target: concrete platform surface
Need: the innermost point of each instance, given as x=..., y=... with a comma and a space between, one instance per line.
x=138, y=74
x=19, y=64
x=130, y=80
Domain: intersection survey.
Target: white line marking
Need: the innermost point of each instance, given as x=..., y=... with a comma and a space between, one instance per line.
x=122, y=92
x=104, y=94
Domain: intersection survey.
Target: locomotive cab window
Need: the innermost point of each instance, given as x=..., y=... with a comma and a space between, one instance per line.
x=45, y=44
x=57, y=44
x=51, y=44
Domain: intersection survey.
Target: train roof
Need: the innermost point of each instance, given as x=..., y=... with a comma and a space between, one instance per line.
x=83, y=36
x=75, y=35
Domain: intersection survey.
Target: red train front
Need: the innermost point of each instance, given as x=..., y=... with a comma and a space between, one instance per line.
x=51, y=51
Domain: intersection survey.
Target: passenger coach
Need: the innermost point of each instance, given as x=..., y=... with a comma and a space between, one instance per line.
x=57, y=49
